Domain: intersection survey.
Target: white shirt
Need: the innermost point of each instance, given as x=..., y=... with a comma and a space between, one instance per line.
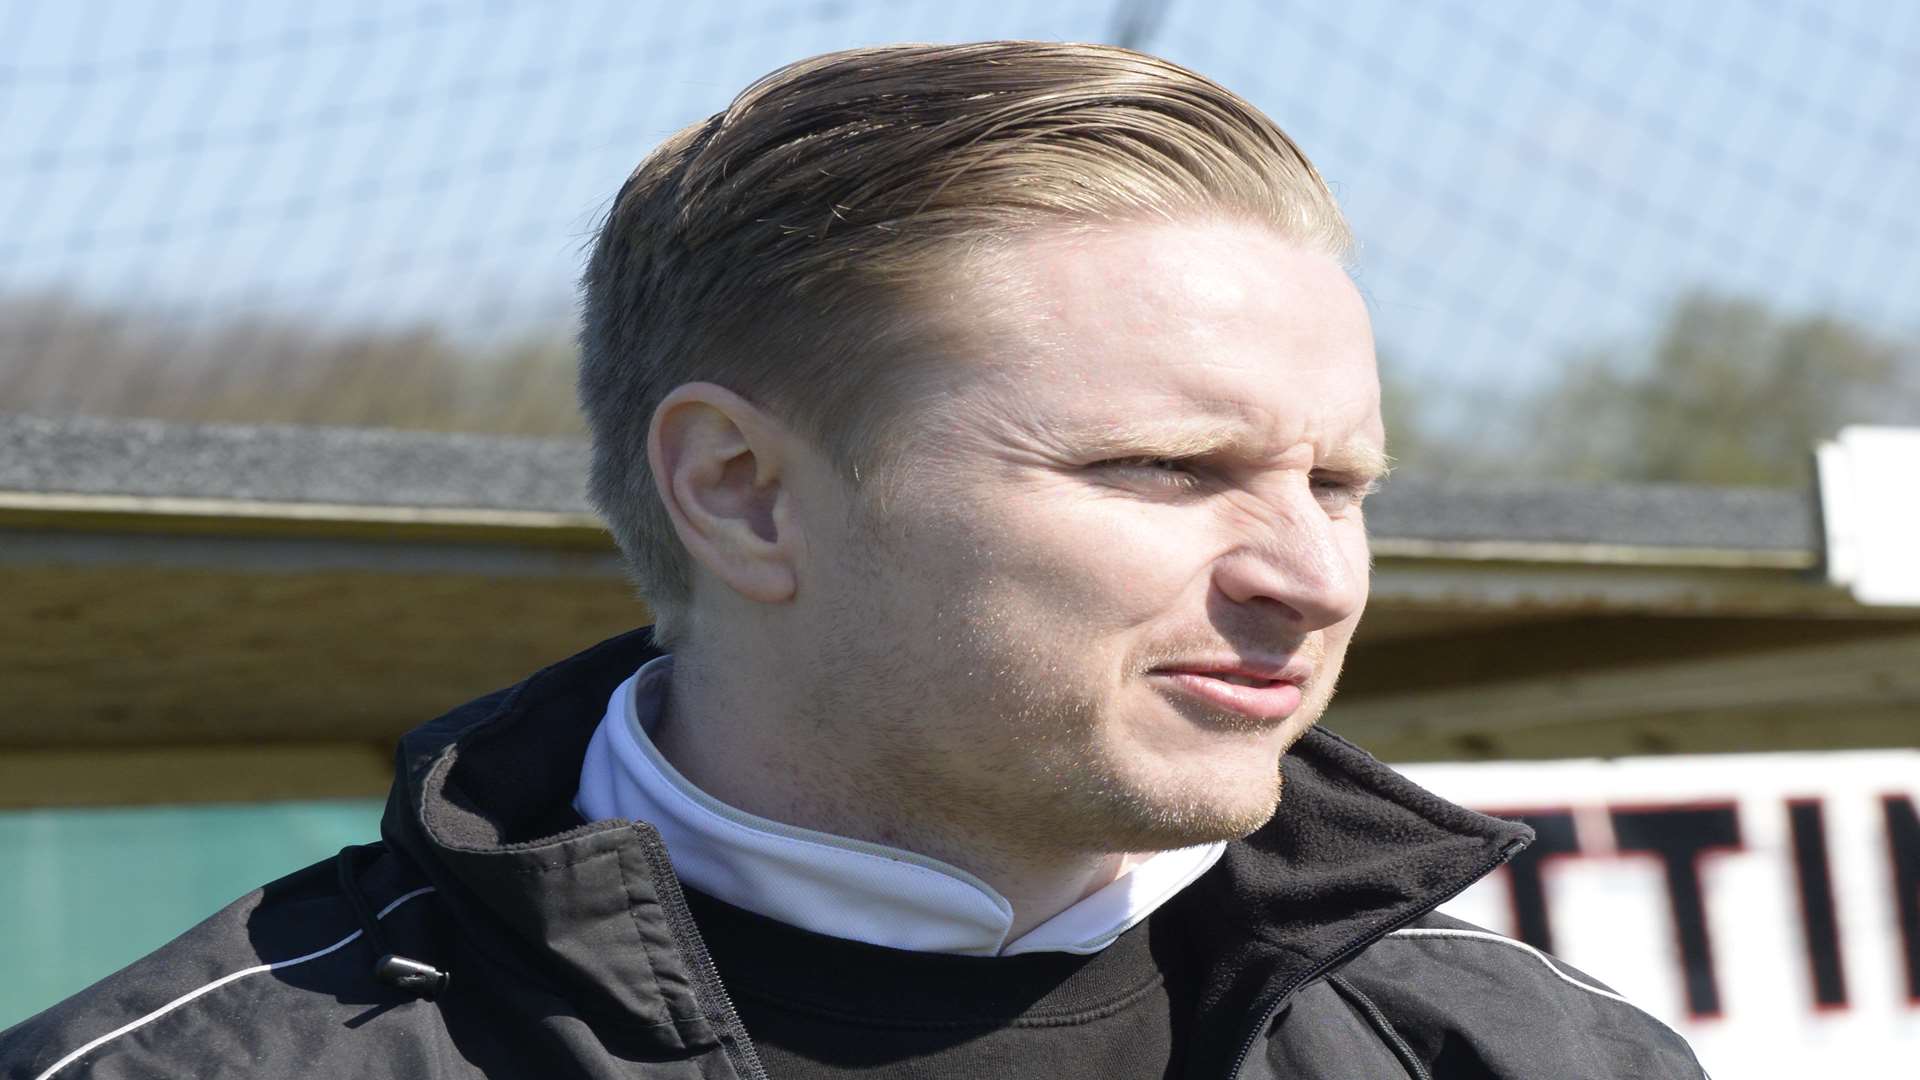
x=830, y=884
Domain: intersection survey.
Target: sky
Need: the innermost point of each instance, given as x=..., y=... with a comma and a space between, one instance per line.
x=1525, y=179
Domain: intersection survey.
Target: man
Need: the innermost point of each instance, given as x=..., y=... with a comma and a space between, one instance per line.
x=989, y=428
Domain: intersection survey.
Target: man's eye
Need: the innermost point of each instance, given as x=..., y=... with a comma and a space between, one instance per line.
x=1342, y=492
x=1165, y=472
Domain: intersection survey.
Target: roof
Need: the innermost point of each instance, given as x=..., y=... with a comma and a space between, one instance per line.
x=407, y=469
x=278, y=463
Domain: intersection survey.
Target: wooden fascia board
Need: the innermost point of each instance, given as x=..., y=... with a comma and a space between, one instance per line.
x=1541, y=552
x=170, y=514
x=1875, y=673
x=1463, y=575
x=1814, y=727
x=165, y=515
x=1435, y=583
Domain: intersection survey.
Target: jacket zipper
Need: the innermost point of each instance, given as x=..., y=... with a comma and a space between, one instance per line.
x=688, y=932
x=1273, y=1008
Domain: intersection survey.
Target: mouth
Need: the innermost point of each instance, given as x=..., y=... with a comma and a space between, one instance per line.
x=1241, y=680
x=1249, y=696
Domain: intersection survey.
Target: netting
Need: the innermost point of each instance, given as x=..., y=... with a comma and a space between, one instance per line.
x=1597, y=237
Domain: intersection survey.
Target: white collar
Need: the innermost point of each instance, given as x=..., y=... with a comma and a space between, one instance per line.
x=830, y=884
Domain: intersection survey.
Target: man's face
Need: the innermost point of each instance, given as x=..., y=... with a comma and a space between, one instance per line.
x=1146, y=464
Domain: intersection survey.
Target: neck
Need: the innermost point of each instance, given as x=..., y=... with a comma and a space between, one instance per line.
x=752, y=758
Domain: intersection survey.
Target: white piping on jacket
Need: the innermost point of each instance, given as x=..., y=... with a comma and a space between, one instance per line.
x=1487, y=935
x=219, y=982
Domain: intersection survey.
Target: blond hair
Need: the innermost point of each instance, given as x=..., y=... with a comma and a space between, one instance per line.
x=776, y=247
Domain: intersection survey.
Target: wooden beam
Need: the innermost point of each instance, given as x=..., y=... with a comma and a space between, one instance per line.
x=1871, y=675
x=1423, y=651
x=1592, y=554
x=109, y=776
x=1807, y=727
x=113, y=655
x=1616, y=588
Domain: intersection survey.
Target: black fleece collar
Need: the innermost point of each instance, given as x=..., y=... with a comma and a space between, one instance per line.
x=483, y=803
x=1356, y=850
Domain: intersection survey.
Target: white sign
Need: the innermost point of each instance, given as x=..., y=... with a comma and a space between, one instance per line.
x=1766, y=906
x=1870, y=509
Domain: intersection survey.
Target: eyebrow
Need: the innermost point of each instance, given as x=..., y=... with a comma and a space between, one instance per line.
x=1161, y=439
x=1360, y=459
x=1200, y=438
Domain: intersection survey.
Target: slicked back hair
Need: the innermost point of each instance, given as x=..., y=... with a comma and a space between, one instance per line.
x=787, y=247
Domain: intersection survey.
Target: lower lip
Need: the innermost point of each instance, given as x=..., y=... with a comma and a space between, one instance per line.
x=1275, y=701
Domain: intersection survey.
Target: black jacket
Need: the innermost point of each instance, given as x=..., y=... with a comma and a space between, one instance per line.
x=544, y=946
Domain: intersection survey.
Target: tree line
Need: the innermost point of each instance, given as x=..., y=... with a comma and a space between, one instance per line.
x=1728, y=390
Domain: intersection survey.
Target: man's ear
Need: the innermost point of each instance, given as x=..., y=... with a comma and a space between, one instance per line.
x=717, y=462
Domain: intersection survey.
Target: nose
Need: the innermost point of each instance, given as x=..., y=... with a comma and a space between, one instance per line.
x=1302, y=563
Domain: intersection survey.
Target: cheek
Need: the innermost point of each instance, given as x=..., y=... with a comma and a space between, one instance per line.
x=1105, y=559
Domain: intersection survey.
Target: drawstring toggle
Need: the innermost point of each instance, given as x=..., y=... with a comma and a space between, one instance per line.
x=411, y=975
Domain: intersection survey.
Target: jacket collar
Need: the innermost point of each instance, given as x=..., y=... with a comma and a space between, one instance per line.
x=482, y=802
x=1355, y=851
x=567, y=916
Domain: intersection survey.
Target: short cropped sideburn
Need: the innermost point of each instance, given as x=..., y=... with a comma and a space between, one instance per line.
x=777, y=248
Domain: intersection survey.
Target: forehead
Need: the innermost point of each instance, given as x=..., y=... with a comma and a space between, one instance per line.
x=1189, y=333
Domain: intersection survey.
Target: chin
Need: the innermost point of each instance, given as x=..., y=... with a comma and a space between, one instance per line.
x=1223, y=792
x=1191, y=825
x=1170, y=806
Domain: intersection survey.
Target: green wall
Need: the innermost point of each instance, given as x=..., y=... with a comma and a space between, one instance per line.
x=85, y=892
